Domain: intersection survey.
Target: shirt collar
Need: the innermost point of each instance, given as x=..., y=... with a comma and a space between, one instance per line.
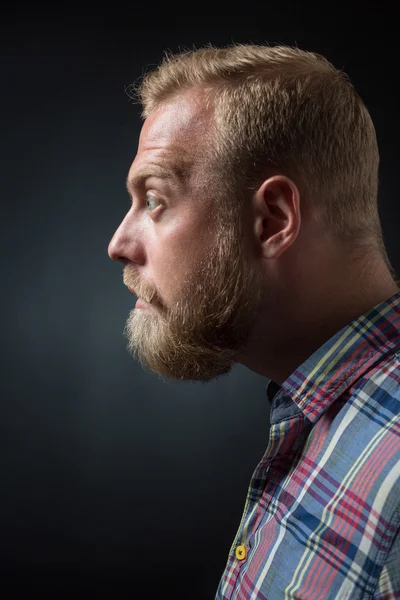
x=338, y=363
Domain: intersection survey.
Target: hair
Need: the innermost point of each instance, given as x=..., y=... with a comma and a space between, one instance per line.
x=281, y=109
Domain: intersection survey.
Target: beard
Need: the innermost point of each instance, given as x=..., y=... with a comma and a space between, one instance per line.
x=198, y=337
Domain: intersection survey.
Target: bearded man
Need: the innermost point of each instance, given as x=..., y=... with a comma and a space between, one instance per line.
x=254, y=237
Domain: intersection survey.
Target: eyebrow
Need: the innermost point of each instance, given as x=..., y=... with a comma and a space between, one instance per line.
x=137, y=180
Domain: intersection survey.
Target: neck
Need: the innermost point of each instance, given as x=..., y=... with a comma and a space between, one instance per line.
x=296, y=324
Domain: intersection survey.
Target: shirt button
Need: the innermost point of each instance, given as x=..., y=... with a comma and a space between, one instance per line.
x=240, y=552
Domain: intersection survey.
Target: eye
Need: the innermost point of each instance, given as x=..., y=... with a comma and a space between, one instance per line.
x=151, y=202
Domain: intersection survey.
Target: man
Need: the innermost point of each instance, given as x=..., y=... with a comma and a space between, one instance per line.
x=254, y=238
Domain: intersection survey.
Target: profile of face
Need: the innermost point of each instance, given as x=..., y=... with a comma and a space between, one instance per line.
x=199, y=294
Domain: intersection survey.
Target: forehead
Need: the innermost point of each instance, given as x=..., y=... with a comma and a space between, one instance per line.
x=175, y=131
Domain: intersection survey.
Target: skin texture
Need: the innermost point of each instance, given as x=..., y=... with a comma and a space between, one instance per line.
x=265, y=290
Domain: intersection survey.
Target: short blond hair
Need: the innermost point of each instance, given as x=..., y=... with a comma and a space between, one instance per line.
x=280, y=109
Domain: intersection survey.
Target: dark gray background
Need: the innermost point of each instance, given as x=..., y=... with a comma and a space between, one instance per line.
x=111, y=479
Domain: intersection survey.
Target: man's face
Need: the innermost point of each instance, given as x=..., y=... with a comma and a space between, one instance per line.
x=185, y=260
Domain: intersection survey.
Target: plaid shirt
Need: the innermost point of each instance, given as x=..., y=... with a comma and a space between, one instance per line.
x=322, y=513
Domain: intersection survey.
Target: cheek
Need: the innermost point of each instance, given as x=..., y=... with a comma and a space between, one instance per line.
x=175, y=256
x=167, y=271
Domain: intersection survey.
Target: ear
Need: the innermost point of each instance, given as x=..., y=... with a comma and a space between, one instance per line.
x=277, y=215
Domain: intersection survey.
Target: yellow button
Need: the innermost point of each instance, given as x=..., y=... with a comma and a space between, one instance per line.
x=240, y=552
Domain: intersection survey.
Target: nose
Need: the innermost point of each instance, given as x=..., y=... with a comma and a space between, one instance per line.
x=125, y=246
x=115, y=248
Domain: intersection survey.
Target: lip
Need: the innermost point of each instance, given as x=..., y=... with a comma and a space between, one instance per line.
x=141, y=303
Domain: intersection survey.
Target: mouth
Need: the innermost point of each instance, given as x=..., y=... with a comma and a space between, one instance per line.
x=142, y=302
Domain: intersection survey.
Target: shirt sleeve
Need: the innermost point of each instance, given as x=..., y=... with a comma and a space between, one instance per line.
x=388, y=586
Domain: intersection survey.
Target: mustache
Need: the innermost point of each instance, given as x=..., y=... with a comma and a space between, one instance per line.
x=146, y=291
